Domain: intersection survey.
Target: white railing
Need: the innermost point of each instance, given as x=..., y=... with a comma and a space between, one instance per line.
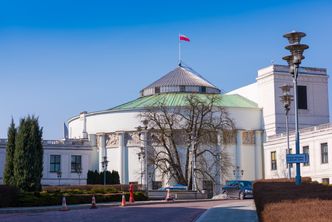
x=303, y=130
x=68, y=142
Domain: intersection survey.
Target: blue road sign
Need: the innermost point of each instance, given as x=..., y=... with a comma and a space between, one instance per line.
x=297, y=158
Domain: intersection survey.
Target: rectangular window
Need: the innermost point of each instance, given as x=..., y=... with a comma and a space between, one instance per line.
x=324, y=153
x=326, y=180
x=76, y=164
x=55, y=163
x=273, y=161
x=182, y=88
x=302, y=97
x=202, y=89
x=306, y=151
x=157, y=90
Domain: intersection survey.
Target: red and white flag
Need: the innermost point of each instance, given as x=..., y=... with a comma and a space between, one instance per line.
x=184, y=38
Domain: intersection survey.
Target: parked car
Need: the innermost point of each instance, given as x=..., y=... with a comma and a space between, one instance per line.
x=238, y=189
x=174, y=187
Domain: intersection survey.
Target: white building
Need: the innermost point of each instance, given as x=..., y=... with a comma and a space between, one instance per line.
x=73, y=158
x=256, y=109
x=315, y=133
x=118, y=139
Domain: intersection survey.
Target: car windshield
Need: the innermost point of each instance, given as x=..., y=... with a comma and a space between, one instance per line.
x=241, y=183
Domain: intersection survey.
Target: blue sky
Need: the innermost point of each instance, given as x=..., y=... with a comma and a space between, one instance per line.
x=58, y=58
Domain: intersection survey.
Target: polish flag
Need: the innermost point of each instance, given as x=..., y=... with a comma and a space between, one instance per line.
x=184, y=38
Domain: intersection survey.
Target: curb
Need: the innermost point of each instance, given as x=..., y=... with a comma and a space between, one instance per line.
x=87, y=206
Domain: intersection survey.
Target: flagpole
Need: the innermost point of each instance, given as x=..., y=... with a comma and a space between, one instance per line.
x=179, y=50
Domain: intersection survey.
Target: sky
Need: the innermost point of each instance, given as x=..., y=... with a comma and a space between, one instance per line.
x=59, y=58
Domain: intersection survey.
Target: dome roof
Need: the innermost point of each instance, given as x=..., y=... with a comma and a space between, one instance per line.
x=179, y=99
x=181, y=79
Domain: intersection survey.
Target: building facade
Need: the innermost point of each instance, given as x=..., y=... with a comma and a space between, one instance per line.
x=119, y=142
x=65, y=161
x=257, y=150
x=316, y=131
x=316, y=141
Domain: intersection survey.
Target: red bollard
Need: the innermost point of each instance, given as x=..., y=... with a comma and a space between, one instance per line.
x=131, y=193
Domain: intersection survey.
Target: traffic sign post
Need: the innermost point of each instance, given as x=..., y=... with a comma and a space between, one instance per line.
x=297, y=158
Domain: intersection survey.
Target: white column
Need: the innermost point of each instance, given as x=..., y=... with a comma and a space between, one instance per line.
x=102, y=150
x=238, y=154
x=83, y=118
x=259, y=164
x=145, y=162
x=122, y=157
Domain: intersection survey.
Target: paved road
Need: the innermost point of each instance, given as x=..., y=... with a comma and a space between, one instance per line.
x=236, y=211
x=177, y=212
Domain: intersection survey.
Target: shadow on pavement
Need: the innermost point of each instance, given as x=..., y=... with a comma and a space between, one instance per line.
x=229, y=214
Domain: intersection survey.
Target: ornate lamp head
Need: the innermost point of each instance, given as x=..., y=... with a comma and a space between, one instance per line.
x=295, y=47
x=297, y=52
x=294, y=37
x=286, y=98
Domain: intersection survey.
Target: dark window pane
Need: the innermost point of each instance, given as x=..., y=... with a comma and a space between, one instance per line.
x=157, y=90
x=306, y=150
x=302, y=97
x=326, y=180
x=203, y=89
x=273, y=161
x=324, y=153
x=76, y=164
x=55, y=163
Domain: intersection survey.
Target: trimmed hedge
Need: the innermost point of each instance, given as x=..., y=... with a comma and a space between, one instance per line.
x=8, y=196
x=46, y=199
x=95, y=177
x=91, y=189
x=280, y=199
x=12, y=197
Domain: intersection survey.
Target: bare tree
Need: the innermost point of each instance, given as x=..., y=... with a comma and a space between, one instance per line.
x=183, y=140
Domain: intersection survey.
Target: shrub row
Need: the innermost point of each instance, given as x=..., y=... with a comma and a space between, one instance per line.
x=90, y=189
x=12, y=197
x=30, y=199
x=8, y=196
x=94, y=177
x=278, y=200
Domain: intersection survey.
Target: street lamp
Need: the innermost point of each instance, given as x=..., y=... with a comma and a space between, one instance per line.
x=59, y=175
x=294, y=61
x=79, y=172
x=238, y=173
x=287, y=99
x=104, y=164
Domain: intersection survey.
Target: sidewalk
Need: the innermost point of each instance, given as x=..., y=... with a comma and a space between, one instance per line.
x=9, y=210
x=239, y=211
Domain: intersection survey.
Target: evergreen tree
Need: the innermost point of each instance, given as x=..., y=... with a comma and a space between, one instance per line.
x=9, y=178
x=28, y=155
x=36, y=134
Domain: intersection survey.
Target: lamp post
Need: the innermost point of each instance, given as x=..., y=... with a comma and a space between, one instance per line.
x=294, y=61
x=238, y=173
x=287, y=99
x=59, y=175
x=104, y=164
x=79, y=172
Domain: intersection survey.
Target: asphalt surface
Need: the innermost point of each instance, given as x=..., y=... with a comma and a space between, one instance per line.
x=177, y=212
